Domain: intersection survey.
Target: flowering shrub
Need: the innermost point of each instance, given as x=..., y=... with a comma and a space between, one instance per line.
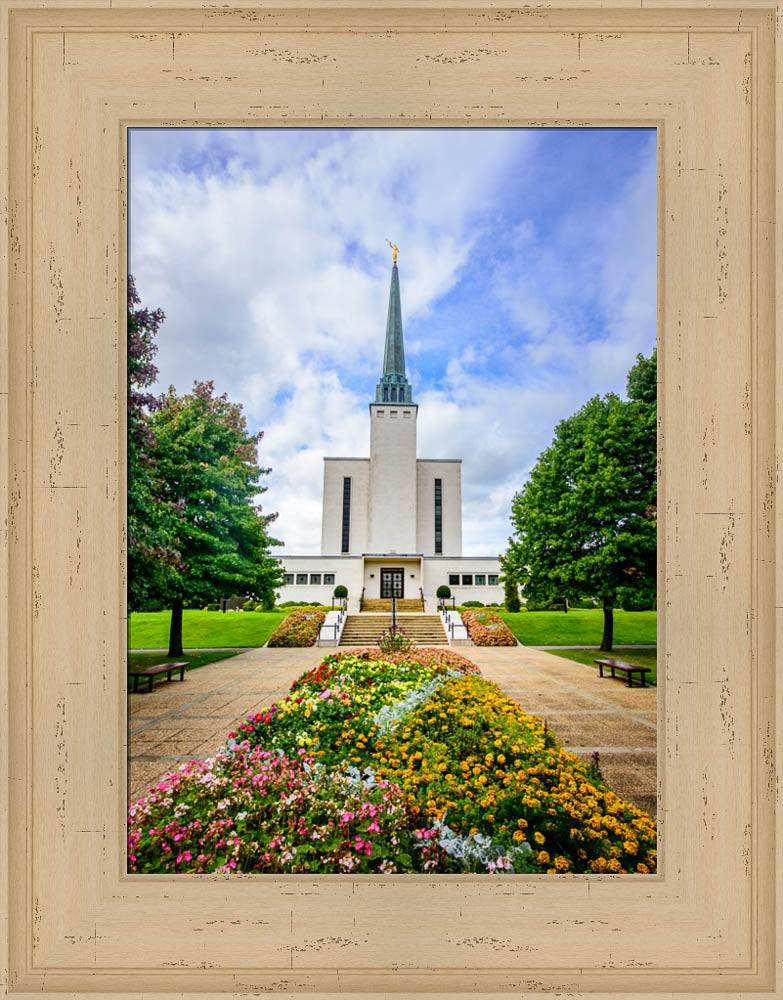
x=394, y=641
x=486, y=628
x=406, y=761
x=252, y=810
x=299, y=628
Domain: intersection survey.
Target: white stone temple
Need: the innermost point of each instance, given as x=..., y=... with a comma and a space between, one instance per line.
x=392, y=523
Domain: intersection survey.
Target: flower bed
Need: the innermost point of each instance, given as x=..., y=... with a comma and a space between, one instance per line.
x=378, y=764
x=473, y=754
x=486, y=628
x=255, y=811
x=422, y=656
x=300, y=628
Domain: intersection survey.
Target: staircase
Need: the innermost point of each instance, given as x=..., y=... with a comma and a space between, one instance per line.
x=404, y=604
x=364, y=629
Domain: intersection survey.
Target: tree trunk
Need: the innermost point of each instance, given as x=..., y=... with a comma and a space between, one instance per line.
x=606, y=639
x=175, y=631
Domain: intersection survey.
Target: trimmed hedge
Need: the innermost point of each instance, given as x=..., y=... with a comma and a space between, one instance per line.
x=487, y=628
x=299, y=628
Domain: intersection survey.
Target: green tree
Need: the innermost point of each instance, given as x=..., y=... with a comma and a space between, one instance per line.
x=510, y=587
x=642, y=382
x=208, y=470
x=150, y=522
x=585, y=522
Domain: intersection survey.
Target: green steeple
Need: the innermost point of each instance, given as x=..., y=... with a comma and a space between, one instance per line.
x=394, y=386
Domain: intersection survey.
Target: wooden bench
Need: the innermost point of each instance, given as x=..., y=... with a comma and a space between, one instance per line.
x=150, y=673
x=629, y=669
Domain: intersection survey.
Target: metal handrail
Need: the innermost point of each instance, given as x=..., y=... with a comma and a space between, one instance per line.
x=393, y=613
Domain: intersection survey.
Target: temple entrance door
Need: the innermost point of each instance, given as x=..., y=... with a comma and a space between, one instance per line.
x=392, y=583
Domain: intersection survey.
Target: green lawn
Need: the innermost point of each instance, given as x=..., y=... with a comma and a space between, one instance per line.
x=580, y=628
x=641, y=657
x=204, y=629
x=193, y=660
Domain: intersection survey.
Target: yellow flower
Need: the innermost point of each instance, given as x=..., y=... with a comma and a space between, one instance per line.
x=519, y=835
x=562, y=864
x=543, y=857
x=539, y=837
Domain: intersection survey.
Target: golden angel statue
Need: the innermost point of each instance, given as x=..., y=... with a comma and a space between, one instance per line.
x=395, y=248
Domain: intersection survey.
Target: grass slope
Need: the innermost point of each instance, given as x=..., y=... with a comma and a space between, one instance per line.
x=580, y=628
x=193, y=660
x=204, y=629
x=641, y=657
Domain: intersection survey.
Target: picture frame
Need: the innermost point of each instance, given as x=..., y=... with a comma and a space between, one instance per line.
x=77, y=79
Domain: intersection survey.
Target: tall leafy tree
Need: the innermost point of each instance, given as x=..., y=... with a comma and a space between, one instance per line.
x=151, y=557
x=209, y=474
x=510, y=587
x=585, y=522
x=642, y=381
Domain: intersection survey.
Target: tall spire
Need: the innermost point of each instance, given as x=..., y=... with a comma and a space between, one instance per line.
x=394, y=386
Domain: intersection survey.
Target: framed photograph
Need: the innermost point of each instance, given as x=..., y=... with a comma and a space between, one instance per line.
x=80, y=81
x=403, y=406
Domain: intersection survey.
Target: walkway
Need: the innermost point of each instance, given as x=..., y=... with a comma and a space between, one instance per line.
x=180, y=722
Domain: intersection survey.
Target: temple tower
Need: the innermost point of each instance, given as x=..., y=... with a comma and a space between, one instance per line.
x=393, y=443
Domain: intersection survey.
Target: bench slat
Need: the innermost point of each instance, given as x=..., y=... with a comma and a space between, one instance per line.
x=157, y=668
x=621, y=664
x=629, y=669
x=149, y=673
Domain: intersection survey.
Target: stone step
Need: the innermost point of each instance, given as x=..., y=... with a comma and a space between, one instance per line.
x=364, y=629
x=384, y=604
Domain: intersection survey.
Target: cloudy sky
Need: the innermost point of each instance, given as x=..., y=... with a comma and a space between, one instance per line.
x=527, y=272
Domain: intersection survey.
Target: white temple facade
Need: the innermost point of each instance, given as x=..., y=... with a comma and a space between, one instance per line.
x=392, y=523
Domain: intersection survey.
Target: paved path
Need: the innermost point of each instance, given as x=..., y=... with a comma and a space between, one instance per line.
x=179, y=722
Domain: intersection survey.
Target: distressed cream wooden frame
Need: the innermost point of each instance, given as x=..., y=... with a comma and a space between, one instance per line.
x=78, y=75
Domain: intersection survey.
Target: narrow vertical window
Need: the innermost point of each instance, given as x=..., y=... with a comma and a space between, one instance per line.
x=438, y=516
x=346, y=514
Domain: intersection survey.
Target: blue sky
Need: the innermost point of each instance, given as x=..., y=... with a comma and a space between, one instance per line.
x=527, y=271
